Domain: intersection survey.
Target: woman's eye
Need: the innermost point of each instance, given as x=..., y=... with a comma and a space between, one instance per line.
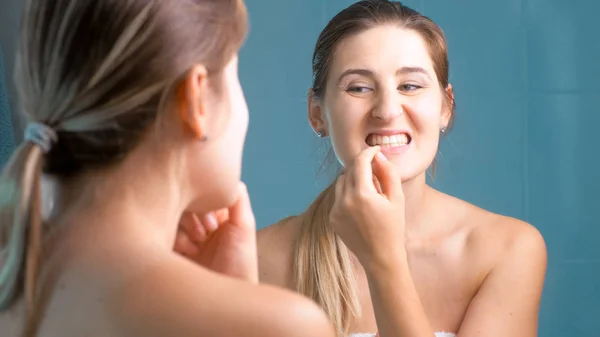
x=409, y=87
x=358, y=89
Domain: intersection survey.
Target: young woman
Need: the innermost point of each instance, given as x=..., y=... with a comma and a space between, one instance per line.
x=391, y=254
x=136, y=116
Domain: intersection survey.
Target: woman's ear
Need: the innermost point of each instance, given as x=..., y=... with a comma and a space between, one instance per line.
x=448, y=110
x=191, y=96
x=316, y=118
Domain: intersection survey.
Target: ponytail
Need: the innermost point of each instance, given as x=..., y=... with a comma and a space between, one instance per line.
x=323, y=269
x=21, y=228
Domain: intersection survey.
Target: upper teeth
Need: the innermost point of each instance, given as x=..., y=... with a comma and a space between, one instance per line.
x=397, y=140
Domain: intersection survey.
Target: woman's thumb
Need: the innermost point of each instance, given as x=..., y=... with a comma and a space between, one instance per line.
x=240, y=213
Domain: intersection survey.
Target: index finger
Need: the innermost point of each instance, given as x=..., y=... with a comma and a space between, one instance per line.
x=363, y=171
x=191, y=225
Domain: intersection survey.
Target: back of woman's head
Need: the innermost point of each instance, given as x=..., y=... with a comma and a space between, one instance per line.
x=92, y=77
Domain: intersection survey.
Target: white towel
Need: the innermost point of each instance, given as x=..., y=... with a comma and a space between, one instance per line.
x=437, y=334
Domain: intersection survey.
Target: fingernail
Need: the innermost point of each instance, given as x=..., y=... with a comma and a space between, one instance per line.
x=381, y=156
x=211, y=222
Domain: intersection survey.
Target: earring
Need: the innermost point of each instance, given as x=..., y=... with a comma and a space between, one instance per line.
x=321, y=133
x=443, y=129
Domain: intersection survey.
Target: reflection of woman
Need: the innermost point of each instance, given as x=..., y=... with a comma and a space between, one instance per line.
x=394, y=255
x=137, y=111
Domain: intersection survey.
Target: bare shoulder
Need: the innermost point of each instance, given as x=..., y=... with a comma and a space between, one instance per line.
x=179, y=298
x=499, y=237
x=275, y=251
x=510, y=257
x=286, y=229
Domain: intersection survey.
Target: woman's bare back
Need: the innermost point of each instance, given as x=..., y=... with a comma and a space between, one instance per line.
x=144, y=291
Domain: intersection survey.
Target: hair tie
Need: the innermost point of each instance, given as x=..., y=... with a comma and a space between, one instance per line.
x=41, y=135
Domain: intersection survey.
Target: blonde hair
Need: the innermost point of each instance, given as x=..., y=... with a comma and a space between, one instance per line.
x=99, y=73
x=323, y=266
x=323, y=269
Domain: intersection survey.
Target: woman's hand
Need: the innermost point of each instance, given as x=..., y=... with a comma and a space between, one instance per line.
x=224, y=240
x=368, y=212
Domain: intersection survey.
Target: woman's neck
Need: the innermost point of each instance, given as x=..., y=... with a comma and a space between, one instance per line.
x=420, y=201
x=140, y=198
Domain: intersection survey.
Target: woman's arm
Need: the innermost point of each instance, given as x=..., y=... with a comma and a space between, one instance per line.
x=179, y=298
x=398, y=309
x=507, y=303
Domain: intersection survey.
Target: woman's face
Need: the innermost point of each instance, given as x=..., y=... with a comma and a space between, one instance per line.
x=382, y=90
x=215, y=165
